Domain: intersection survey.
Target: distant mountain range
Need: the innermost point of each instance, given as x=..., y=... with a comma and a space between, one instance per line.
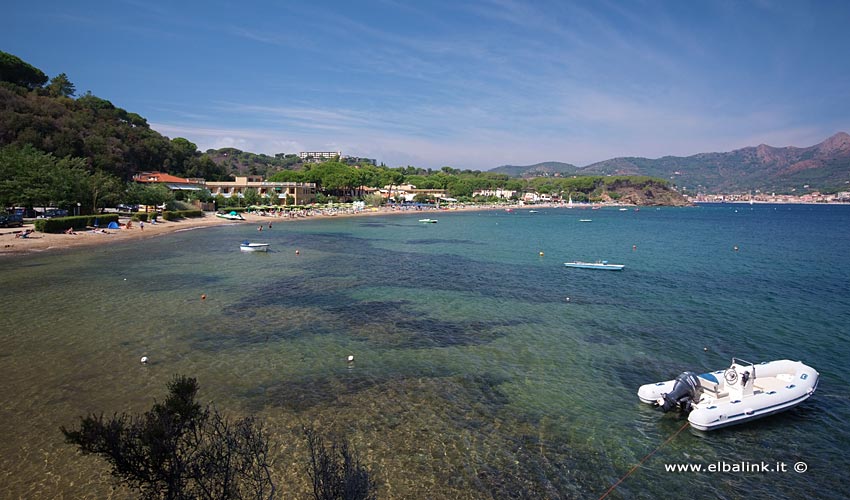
x=823, y=167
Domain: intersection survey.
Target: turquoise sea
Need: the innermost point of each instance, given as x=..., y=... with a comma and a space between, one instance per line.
x=482, y=368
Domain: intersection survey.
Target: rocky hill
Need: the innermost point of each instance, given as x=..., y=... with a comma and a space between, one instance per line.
x=822, y=167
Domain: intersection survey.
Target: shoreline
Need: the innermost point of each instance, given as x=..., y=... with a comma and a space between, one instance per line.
x=44, y=242
x=38, y=243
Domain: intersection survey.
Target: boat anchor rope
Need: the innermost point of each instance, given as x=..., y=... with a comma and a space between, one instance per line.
x=644, y=459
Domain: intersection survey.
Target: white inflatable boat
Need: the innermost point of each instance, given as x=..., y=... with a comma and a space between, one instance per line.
x=743, y=392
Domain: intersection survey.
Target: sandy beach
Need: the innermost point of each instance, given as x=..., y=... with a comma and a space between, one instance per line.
x=42, y=242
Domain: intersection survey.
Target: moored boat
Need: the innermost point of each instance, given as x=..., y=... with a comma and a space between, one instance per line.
x=602, y=264
x=229, y=216
x=741, y=393
x=254, y=247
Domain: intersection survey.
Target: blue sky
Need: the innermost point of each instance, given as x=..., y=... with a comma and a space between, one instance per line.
x=470, y=84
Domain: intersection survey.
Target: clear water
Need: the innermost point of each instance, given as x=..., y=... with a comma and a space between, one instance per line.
x=474, y=375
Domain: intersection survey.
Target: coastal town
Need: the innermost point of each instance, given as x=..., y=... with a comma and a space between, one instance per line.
x=813, y=197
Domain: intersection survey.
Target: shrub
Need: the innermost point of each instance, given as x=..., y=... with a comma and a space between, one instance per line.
x=374, y=199
x=140, y=217
x=181, y=214
x=60, y=224
x=180, y=450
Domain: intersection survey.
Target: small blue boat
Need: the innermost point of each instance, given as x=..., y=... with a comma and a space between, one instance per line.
x=602, y=264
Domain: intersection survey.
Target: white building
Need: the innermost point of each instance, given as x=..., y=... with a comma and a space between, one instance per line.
x=407, y=192
x=319, y=155
x=498, y=193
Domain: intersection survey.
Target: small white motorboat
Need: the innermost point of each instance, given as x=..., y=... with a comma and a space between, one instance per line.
x=602, y=264
x=428, y=221
x=254, y=247
x=743, y=392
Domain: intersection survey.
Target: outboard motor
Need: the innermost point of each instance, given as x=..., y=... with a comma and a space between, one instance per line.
x=686, y=390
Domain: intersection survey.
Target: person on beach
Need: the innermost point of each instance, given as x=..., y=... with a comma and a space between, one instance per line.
x=142, y=225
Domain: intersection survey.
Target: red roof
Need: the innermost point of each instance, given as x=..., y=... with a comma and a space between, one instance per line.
x=160, y=177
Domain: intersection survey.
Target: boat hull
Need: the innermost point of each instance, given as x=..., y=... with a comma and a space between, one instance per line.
x=777, y=386
x=254, y=247
x=592, y=265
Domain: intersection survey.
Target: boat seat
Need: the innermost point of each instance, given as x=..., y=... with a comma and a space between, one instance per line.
x=709, y=382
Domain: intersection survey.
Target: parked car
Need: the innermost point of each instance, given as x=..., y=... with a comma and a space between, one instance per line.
x=51, y=212
x=127, y=208
x=11, y=220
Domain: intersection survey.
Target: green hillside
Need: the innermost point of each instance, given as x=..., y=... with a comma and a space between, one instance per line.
x=112, y=140
x=545, y=169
